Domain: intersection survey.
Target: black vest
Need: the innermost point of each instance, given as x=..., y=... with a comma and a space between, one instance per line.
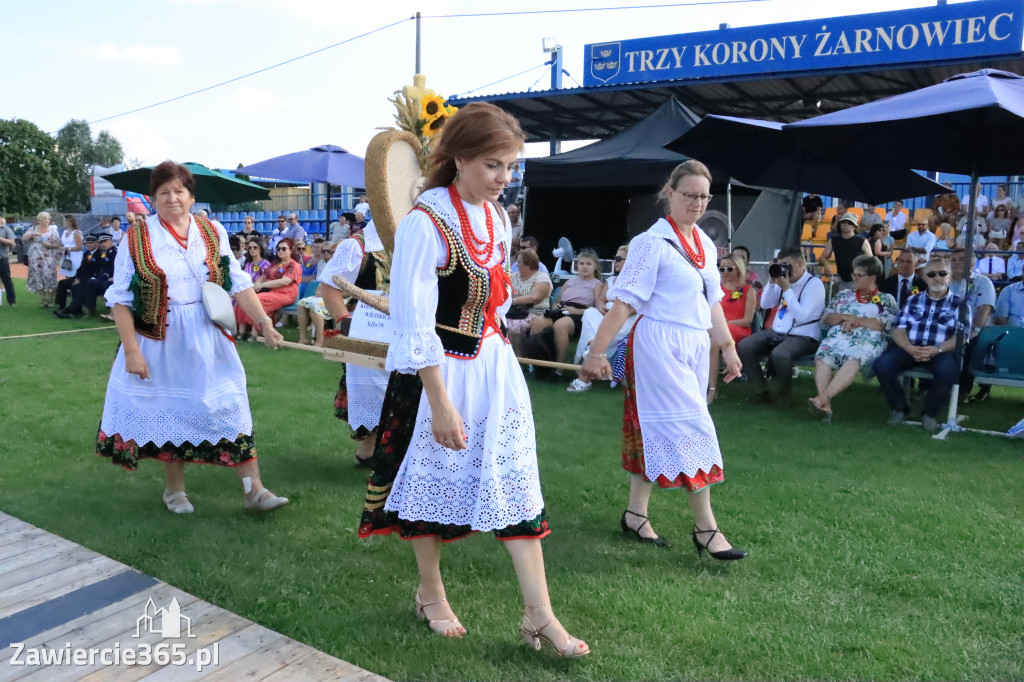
x=463, y=289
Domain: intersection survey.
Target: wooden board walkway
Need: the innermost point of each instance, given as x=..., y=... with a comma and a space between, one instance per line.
x=68, y=613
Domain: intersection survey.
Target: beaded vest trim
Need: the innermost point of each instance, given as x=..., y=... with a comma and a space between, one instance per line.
x=149, y=283
x=463, y=292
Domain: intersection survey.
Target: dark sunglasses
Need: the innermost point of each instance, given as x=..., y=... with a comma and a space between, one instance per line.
x=618, y=259
x=936, y=273
x=727, y=268
x=282, y=248
x=280, y=220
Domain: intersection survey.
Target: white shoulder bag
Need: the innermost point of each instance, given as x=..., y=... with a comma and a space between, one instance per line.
x=216, y=302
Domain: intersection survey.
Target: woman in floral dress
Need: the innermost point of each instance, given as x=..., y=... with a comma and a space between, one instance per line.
x=858, y=322
x=44, y=252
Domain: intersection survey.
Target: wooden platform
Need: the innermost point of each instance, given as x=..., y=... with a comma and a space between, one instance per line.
x=58, y=598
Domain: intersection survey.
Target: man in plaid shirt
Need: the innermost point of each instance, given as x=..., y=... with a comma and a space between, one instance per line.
x=924, y=338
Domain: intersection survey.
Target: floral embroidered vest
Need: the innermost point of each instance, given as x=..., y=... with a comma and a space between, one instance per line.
x=149, y=283
x=464, y=290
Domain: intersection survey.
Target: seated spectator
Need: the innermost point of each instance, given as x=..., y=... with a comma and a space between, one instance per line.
x=279, y=232
x=947, y=206
x=924, y=336
x=999, y=225
x=360, y=220
x=983, y=204
x=813, y=210
x=312, y=309
x=92, y=278
x=237, y=249
x=905, y=283
x=921, y=242
x=531, y=243
x=248, y=227
x=1015, y=263
x=794, y=330
x=565, y=316
x=978, y=240
x=1002, y=199
x=858, y=324
x=945, y=238
x=981, y=300
x=531, y=295
x=296, y=233
x=592, y=318
x=312, y=265
x=276, y=288
x=752, y=279
x=846, y=245
x=897, y=220
x=1010, y=306
x=66, y=286
x=992, y=265
x=870, y=217
x=255, y=262
x=1018, y=232
x=739, y=303
x=980, y=229
x=339, y=230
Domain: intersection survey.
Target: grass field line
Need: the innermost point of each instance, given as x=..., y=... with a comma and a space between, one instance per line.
x=66, y=331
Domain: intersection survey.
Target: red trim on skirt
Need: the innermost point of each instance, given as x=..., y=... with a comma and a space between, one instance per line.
x=633, y=440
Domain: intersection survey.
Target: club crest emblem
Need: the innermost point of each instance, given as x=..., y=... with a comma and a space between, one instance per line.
x=605, y=60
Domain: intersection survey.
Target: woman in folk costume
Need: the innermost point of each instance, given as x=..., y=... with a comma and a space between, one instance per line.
x=360, y=260
x=177, y=388
x=457, y=449
x=671, y=279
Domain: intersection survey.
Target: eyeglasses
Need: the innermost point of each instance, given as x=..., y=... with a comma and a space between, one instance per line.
x=618, y=259
x=727, y=268
x=693, y=198
x=327, y=251
x=858, y=275
x=282, y=248
x=936, y=273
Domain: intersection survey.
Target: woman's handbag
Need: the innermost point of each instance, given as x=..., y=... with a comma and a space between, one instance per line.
x=518, y=312
x=66, y=264
x=217, y=304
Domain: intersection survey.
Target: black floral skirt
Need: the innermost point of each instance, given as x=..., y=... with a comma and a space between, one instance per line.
x=398, y=422
x=341, y=407
x=127, y=453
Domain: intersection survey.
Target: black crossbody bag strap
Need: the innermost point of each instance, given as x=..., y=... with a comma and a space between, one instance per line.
x=686, y=258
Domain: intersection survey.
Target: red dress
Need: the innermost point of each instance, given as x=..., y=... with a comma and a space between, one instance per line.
x=277, y=298
x=734, y=305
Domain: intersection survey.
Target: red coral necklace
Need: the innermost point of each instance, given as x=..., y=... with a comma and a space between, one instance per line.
x=698, y=256
x=480, y=250
x=865, y=297
x=183, y=241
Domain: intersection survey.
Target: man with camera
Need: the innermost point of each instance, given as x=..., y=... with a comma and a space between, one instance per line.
x=795, y=331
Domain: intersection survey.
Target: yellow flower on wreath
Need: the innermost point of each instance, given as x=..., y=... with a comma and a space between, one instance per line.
x=434, y=125
x=431, y=106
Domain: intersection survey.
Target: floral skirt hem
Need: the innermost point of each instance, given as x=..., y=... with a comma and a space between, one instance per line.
x=341, y=408
x=127, y=453
x=633, y=440
x=398, y=422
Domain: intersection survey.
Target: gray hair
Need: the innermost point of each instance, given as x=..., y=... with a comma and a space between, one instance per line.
x=871, y=266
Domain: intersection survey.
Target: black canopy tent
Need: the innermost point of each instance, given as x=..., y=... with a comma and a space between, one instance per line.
x=603, y=194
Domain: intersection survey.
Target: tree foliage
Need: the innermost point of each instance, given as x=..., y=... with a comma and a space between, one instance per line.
x=80, y=153
x=30, y=168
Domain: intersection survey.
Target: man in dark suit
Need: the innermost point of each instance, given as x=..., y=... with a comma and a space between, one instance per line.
x=93, y=277
x=905, y=283
x=66, y=286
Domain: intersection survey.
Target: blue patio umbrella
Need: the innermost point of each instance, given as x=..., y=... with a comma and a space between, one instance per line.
x=326, y=163
x=761, y=153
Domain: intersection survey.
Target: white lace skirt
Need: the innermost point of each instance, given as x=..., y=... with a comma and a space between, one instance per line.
x=670, y=362
x=196, y=390
x=366, y=387
x=492, y=484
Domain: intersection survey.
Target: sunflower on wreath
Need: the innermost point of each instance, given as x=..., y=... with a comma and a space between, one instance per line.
x=422, y=112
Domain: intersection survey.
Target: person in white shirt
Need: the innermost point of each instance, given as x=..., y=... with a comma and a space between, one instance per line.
x=1015, y=263
x=991, y=266
x=795, y=330
x=983, y=203
x=363, y=206
x=278, y=234
x=897, y=220
x=981, y=301
x=922, y=241
x=530, y=243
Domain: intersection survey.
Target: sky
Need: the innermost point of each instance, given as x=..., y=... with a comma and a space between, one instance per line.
x=93, y=60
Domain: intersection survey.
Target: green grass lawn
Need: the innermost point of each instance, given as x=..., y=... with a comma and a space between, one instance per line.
x=875, y=552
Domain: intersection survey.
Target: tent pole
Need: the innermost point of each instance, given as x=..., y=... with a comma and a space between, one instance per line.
x=962, y=330
x=728, y=212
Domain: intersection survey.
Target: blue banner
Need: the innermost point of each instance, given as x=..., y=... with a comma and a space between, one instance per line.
x=990, y=28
